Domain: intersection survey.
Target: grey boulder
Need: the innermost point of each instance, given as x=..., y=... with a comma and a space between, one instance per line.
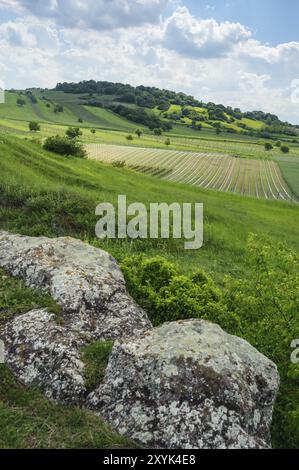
x=85, y=281
x=188, y=384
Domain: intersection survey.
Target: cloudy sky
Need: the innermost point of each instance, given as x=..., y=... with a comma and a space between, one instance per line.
x=243, y=53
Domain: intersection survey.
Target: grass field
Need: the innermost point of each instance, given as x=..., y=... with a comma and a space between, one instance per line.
x=257, y=178
x=290, y=170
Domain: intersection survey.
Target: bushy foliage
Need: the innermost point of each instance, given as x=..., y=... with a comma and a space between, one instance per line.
x=73, y=132
x=168, y=295
x=34, y=126
x=263, y=310
x=64, y=146
x=284, y=149
x=267, y=304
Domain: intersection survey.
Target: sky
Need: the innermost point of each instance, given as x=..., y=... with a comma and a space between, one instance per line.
x=242, y=53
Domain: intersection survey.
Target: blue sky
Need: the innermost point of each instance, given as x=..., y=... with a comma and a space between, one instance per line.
x=272, y=21
x=243, y=53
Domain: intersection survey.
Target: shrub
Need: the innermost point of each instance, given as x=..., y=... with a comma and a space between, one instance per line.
x=158, y=131
x=64, y=146
x=167, y=295
x=263, y=310
x=167, y=142
x=119, y=164
x=268, y=146
x=21, y=102
x=139, y=132
x=73, y=132
x=93, y=131
x=34, y=126
x=267, y=304
x=129, y=137
x=284, y=149
x=58, y=108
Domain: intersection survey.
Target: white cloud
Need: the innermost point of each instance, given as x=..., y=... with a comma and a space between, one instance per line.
x=219, y=62
x=199, y=38
x=91, y=14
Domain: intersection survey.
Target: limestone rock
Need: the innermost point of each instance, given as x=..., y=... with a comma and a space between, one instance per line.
x=188, y=384
x=90, y=288
x=84, y=280
x=42, y=353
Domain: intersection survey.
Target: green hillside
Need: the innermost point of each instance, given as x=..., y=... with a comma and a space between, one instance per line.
x=47, y=194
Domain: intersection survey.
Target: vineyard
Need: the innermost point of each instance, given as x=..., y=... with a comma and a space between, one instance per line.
x=258, y=178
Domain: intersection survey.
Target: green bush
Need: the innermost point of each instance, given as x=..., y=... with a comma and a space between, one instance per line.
x=268, y=146
x=267, y=304
x=284, y=149
x=167, y=295
x=73, y=132
x=263, y=310
x=34, y=126
x=64, y=146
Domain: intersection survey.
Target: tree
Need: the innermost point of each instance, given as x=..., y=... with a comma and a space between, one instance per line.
x=21, y=102
x=73, y=132
x=167, y=142
x=80, y=120
x=268, y=146
x=93, y=131
x=129, y=137
x=58, y=108
x=139, y=132
x=218, y=130
x=284, y=149
x=34, y=126
x=278, y=143
x=158, y=131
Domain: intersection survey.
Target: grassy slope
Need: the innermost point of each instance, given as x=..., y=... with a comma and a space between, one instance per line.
x=51, y=195
x=290, y=169
x=44, y=194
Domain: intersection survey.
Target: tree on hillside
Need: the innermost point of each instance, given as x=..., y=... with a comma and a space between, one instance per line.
x=21, y=102
x=34, y=126
x=167, y=142
x=158, y=131
x=73, y=132
x=268, y=146
x=139, y=132
x=284, y=149
x=129, y=137
x=93, y=131
x=58, y=108
x=64, y=146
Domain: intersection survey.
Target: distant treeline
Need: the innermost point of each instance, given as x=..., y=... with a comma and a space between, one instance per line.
x=152, y=97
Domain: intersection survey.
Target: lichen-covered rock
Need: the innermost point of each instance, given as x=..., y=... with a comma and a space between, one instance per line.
x=85, y=281
x=90, y=289
x=40, y=352
x=188, y=384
